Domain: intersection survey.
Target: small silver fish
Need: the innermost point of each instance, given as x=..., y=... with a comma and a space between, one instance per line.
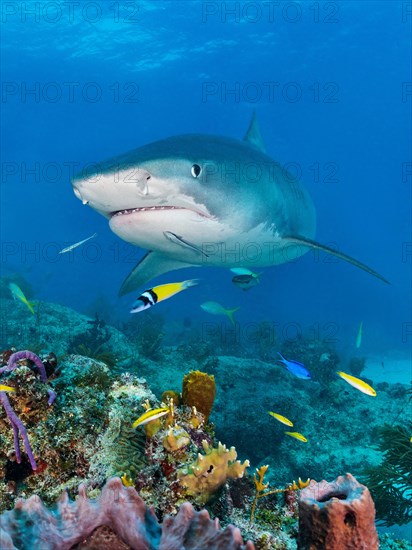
x=75, y=245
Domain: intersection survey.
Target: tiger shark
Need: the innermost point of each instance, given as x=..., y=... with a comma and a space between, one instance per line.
x=204, y=200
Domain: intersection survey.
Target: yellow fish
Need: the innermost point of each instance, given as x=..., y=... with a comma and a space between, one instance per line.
x=18, y=293
x=159, y=293
x=6, y=388
x=359, y=336
x=281, y=418
x=357, y=383
x=150, y=415
x=297, y=435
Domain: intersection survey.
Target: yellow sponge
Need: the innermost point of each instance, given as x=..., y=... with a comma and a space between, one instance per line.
x=210, y=471
x=199, y=390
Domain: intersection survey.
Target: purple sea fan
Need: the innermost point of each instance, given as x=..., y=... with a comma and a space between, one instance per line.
x=16, y=424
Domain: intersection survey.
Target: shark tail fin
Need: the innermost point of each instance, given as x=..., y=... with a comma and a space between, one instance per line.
x=315, y=245
x=230, y=314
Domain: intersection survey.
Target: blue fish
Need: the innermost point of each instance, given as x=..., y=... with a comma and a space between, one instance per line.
x=295, y=368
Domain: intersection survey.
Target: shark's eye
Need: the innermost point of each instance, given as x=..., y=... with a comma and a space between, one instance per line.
x=196, y=170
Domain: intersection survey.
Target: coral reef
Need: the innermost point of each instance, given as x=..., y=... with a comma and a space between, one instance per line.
x=263, y=340
x=263, y=491
x=337, y=515
x=357, y=365
x=93, y=339
x=17, y=425
x=88, y=436
x=199, y=390
x=121, y=510
x=80, y=438
x=147, y=334
x=53, y=327
x=318, y=357
x=202, y=478
x=332, y=418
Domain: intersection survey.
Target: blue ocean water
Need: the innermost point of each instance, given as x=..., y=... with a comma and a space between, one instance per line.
x=331, y=86
x=329, y=83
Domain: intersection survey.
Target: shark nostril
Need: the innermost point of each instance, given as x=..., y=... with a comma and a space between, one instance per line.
x=145, y=190
x=143, y=187
x=141, y=178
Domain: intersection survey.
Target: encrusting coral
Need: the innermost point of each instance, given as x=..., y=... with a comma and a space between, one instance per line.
x=121, y=509
x=202, y=478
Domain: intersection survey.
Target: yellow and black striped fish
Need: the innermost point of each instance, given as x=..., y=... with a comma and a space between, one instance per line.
x=159, y=293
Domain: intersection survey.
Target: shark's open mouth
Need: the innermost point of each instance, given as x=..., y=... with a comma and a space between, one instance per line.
x=151, y=209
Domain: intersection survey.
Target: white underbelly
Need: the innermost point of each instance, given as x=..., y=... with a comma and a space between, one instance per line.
x=205, y=241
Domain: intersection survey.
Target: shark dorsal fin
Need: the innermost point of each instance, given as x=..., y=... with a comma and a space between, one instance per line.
x=253, y=135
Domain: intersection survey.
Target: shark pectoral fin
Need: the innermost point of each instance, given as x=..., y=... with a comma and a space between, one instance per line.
x=150, y=266
x=253, y=135
x=313, y=244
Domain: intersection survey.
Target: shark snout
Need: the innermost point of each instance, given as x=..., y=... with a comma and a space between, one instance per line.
x=114, y=190
x=78, y=195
